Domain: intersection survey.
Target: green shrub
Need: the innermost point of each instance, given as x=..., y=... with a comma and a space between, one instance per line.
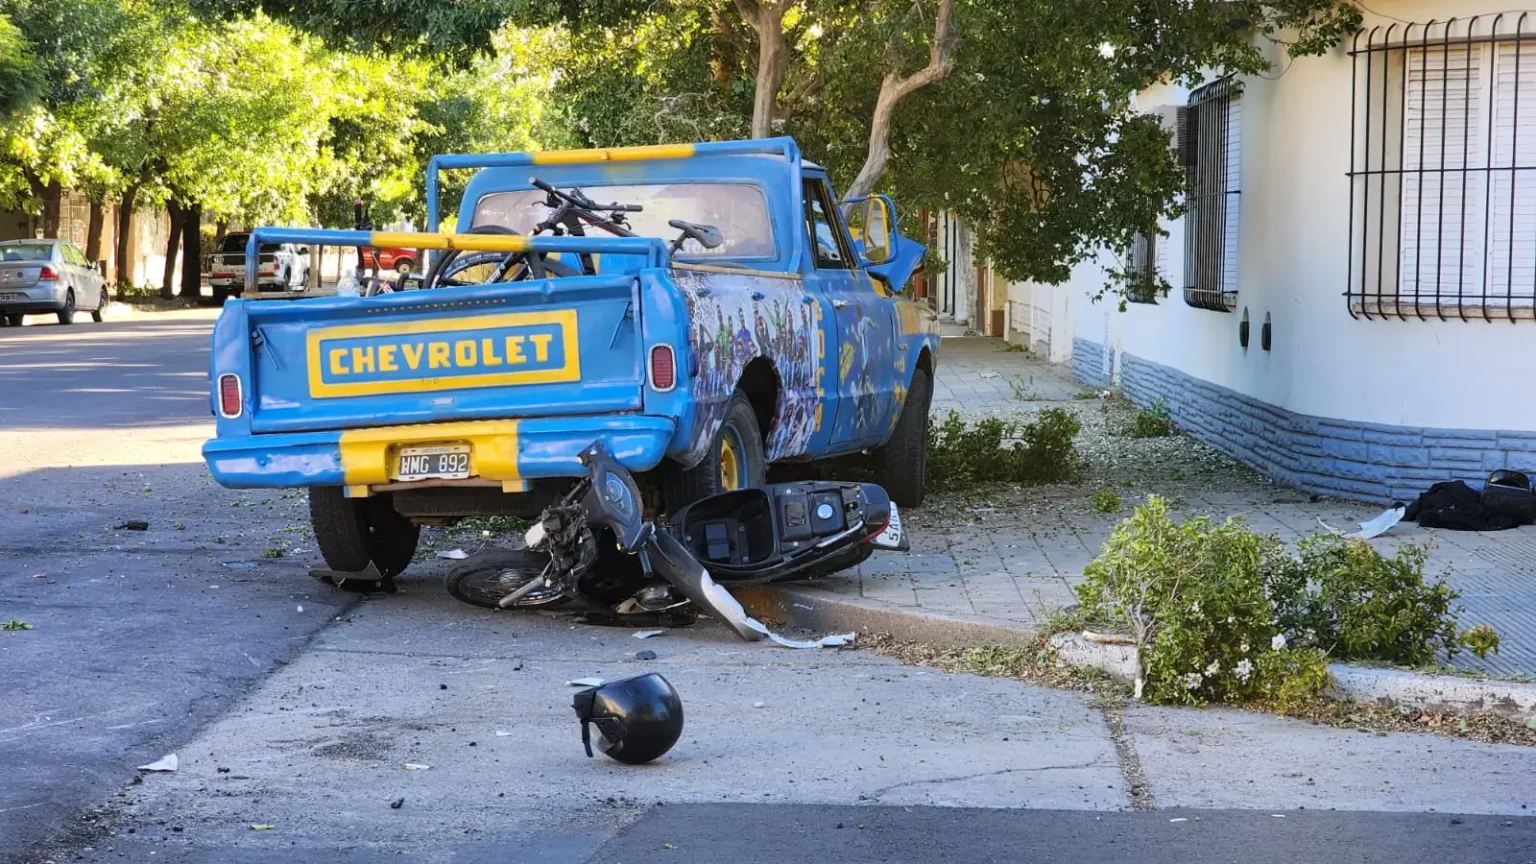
x=1153, y=421
x=1347, y=599
x=963, y=454
x=1193, y=597
x=1106, y=501
x=1221, y=613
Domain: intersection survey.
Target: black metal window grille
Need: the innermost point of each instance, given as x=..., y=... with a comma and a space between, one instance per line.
x=1209, y=143
x=1442, y=155
x=1142, y=269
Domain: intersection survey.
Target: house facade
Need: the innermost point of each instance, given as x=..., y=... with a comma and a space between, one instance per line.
x=1354, y=281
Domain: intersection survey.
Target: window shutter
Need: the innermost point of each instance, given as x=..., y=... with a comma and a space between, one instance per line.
x=1188, y=137
x=1512, y=236
x=1444, y=143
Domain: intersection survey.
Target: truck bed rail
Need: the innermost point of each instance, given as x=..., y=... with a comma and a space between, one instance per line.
x=652, y=249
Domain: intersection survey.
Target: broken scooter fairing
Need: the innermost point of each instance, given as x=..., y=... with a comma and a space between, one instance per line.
x=749, y=536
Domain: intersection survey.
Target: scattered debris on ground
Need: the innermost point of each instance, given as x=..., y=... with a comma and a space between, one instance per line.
x=1039, y=666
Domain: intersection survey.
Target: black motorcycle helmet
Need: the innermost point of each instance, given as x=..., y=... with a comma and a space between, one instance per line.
x=638, y=719
x=1505, y=477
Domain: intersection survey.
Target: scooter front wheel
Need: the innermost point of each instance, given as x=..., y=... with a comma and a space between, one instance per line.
x=484, y=579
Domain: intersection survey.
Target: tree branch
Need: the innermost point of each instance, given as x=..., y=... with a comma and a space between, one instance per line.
x=894, y=88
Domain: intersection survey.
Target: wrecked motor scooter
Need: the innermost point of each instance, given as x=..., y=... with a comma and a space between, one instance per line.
x=595, y=545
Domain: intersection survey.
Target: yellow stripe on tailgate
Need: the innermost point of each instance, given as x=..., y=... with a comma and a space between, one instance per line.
x=368, y=456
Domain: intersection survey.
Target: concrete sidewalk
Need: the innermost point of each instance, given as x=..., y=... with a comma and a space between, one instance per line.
x=1003, y=559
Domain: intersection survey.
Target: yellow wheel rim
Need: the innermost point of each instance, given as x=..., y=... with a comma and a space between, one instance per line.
x=730, y=463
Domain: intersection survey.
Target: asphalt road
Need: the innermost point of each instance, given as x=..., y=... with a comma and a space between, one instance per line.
x=138, y=638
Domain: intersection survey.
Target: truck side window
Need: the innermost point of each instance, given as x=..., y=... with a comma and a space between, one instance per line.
x=832, y=252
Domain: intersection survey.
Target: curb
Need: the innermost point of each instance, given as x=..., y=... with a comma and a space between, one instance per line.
x=821, y=610
x=817, y=609
x=1430, y=692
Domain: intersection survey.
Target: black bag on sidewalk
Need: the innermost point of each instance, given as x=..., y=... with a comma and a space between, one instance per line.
x=1457, y=507
x=1514, y=502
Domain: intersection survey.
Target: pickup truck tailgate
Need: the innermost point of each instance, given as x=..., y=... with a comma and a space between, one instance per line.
x=541, y=348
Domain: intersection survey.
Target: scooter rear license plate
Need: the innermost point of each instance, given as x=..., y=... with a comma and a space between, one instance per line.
x=891, y=537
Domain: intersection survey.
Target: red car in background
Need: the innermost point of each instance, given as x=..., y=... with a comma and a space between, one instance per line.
x=399, y=260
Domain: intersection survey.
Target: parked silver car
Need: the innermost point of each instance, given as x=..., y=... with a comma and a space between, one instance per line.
x=48, y=277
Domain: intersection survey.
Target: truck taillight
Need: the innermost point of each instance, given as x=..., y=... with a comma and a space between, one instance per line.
x=663, y=368
x=47, y=273
x=229, y=396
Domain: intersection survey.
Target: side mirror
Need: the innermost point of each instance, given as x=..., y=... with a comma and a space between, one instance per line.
x=877, y=216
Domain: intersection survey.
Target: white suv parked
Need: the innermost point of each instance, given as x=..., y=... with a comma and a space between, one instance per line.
x=280, y=267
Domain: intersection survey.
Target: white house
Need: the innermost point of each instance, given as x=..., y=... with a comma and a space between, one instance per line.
x=1353, y=308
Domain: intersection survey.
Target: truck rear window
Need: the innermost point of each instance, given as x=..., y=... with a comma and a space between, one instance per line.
x=236, y=243
x=739, y=210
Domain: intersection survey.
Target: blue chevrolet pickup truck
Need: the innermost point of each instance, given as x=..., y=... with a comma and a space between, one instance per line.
x=766, y=333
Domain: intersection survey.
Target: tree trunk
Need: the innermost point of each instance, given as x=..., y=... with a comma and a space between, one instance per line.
x=220, y=228
x=93, y=231
x=52, y=195
x=120, y=264
x=893, y=89
x=172, y=246
x=767, y=18
x=192, y=251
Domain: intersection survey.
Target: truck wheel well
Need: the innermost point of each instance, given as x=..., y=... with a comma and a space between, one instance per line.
x=925, y=361
x=760, y=383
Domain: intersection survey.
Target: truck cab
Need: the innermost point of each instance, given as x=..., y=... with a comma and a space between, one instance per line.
x=698, y=365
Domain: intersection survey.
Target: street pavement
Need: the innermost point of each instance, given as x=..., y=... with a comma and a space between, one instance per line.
x=294, y=710
x=138, y=638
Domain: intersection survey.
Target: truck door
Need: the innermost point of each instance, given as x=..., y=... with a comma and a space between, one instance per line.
x=863, y=325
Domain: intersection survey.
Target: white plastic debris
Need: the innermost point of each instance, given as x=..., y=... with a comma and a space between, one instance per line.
x=417, y=766
x=454, y=554
x=167, y=763
x=502, y=733
x=1381, y=524
x=1180, y=819
x=646, y=634
x=836, y=641
x=584, y=682
x=988, y=375
x=758, y=704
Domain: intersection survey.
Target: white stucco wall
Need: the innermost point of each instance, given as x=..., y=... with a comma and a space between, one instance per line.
x=1293, y=264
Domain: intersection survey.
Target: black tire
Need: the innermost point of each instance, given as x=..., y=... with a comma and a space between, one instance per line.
x=15, y=320
x=404, y=265
x=101, y=307
x=683, y=487
x=482, y=580
x=67, y=314
x=901, y=464
x=352, y=532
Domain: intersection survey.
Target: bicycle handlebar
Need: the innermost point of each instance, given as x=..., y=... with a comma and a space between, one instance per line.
x=576, y=197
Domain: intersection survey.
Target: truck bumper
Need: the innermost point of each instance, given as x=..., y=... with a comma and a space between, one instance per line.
x=507, y=451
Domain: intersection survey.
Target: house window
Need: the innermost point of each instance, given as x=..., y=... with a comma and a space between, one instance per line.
x=1443, y=171
x=1143, y=268
x=1210, y=143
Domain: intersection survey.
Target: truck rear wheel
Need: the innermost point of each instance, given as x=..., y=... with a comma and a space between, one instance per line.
x=901, y=464
x=352, y=532
x=736, y=460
